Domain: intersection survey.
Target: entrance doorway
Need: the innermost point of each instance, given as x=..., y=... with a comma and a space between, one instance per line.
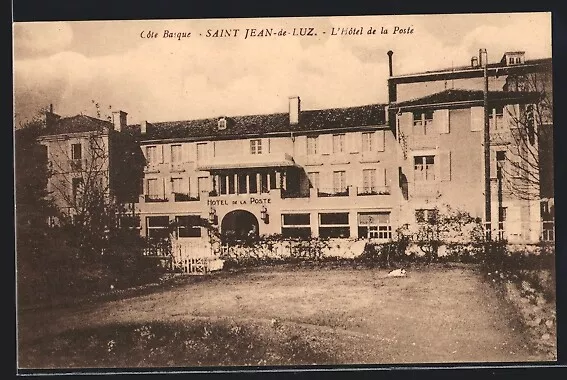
x=239, y=225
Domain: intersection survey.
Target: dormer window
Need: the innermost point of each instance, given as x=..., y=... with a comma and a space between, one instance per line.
x=221, y=124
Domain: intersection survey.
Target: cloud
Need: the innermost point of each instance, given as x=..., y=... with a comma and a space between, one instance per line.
x=41, y=38
x=167, y=79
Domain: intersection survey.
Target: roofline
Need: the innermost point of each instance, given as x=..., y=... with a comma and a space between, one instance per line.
x=290, y=133
x=479, y=102
x=54, y=136
x=493, y=70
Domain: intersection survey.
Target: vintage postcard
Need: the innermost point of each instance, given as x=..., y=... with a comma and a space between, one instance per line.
x=299, y=191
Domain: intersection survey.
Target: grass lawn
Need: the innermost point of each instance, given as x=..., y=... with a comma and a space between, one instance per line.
x=284, y=316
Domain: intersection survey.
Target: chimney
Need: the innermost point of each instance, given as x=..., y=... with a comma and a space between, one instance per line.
x=294, y=109
x=474, y=61
x=143, y=127
x=50, y=117
x=119, y=120
x=482, y=57
x=390, y=64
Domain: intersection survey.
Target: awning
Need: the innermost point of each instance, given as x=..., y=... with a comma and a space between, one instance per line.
x=269, y=160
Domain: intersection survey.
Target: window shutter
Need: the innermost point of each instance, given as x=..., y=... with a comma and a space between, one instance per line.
x=477, y=119
x=326, y=143
x=508, y=116
x=163, y=188
x=166, y=153
x=349, y=142
x=445, y=158
x=186, y=152
x=493, y=164
x=513, y=115
x=441, y=120
x=301, y=145
x=380, y=140
x=513, y=224
x=386, y=179
x=381, y=177
x=357, y=141
x=159, y=150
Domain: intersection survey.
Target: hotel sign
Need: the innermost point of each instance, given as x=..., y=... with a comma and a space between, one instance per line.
x=227, y=202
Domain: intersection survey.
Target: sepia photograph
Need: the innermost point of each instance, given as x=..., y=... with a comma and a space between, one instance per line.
x=284, y=192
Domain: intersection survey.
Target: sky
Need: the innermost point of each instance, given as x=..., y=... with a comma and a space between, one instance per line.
x=74, y=65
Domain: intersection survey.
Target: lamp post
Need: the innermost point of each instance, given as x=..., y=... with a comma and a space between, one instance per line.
x=483, y=58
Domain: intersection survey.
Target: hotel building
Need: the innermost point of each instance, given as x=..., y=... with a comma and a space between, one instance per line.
x=358, y=172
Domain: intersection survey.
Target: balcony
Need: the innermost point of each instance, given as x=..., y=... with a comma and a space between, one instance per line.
x=183, y=197
x=373, y=190
x=77, y=164
x=155, y=198
x=152, y=168
x=294, y=194
x=323, y=193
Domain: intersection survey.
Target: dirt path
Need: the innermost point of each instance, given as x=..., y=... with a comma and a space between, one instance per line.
x=434, y=315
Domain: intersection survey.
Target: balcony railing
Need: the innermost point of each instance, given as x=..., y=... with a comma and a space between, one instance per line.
x=78, y=164
x=155, y=198
x=373, y=190
x=322, y=192
x=294, y=194
x=183, y=197
x=548, y=231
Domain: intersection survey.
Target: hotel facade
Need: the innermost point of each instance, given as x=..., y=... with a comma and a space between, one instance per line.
x=355, y=172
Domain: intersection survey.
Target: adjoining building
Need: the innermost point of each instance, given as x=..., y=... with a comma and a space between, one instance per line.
x=358, y=172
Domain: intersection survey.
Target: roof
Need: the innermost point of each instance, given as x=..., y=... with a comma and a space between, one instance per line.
x=251, y=161
x=515, y=52
x=309, y=120
x=75, y=124
x=460, y=95
x=467, y=71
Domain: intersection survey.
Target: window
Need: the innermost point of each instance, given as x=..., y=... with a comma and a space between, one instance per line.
x=77, y=187
x=222, y=124
x=176, y=154
x=367, y=138
x=499, y=110
x=222, y=184
x=424, y=168
x=296, y=225
x=511, y=60
x=154, y=190
x=374, y=225
x=518, y=60
x=500, y=161
x=231, y=184
x=157, y=227
x=242, y=183
x=176, y=184
x=419, y=117
x=201, y=151
x=502, y=214
x=203, y=184
x=313, y=179
x=338, y=143
x=369, y=181
x=334, y=225
x=312, y=145
x=339, y=182
x=426, y=216
x=256, y=146
x=252, y=183
x=76, y=152
x=151, y=154
x=188, y=226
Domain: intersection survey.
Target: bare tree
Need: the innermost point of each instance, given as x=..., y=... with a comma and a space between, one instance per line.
x=525, y=170
x=80, y=182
